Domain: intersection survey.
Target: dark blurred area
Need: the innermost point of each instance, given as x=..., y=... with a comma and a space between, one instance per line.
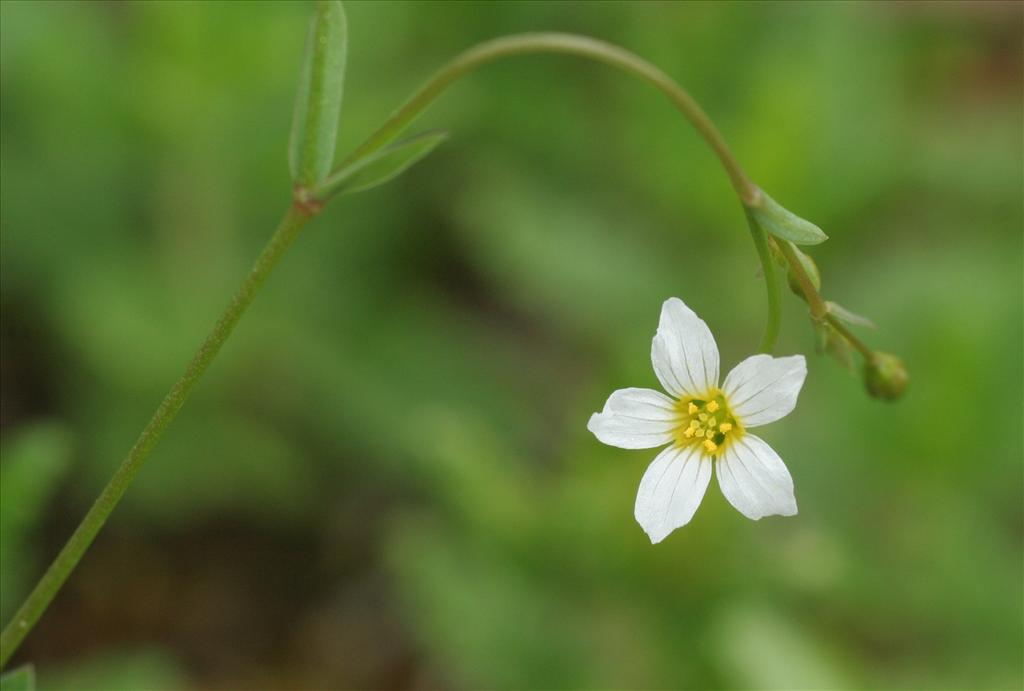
x=385, y=480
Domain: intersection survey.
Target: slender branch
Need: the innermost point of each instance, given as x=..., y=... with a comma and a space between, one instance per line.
x=571, y=44
x=40, y=597
x=615, y=56
x=850, y=336
x=819, y=308
x=817, y=304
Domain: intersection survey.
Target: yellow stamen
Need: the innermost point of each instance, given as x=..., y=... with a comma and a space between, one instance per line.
x=712, y=422
x=694, y=424
x=700, y=432
x=703, y=417
x=712, y=406
x=688, y=432
x=692, y=408
x=726, y=426
x=710, y=446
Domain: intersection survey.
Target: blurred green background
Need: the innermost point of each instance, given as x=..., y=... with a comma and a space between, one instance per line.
x=385, y=481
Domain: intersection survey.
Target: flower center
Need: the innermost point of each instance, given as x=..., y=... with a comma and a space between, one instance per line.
x=706, y=421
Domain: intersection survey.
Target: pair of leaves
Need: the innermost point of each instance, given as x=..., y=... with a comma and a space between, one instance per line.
x=318, y=108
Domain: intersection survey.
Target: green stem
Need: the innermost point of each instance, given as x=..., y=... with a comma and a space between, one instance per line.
x=814, y=300
x=568, y=44
x=609, y=54
x=851, y=337
x=40, y=597
x=771, y=284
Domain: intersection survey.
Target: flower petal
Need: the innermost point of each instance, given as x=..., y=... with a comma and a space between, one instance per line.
x=755, y=480
x=635, y=419
x=762, y=388
x=684, y=353
x=671, y=490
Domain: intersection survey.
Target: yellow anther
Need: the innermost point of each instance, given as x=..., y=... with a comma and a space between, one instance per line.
x=692, y=408
x=712, y=422
x=703, y=417
x=710, y=446
x=694, y=424
x=712, y=406
x=725, y=427
x=688, y=432
x=700, y=432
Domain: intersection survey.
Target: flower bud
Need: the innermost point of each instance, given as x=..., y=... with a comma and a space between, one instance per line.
x=885, y=376
x=810, y=268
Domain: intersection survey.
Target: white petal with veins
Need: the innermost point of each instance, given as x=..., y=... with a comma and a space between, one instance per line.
x=755, y=480
x=762, y=388
x=684, y=353
x=671, y=490
x=635, y=419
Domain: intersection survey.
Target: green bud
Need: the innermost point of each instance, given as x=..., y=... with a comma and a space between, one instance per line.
x=783, y=223
x=810, y=268
x=885, y=376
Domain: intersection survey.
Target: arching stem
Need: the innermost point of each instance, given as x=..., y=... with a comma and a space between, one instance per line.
x=583, y=46
x=570, y=44
x=297, y=216
x=37, y=601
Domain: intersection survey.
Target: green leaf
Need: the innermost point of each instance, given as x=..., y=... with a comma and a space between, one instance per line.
x=845, y=315
x=782, y=223
x=21, y=679
x=380, y=167
x=318, y=101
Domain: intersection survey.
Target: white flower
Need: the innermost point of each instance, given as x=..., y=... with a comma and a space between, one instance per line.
x=703, y=425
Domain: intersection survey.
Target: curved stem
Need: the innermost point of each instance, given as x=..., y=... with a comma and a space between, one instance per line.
x=571, y=44
x=607, y=53
x=35, y=604
x=771, y=327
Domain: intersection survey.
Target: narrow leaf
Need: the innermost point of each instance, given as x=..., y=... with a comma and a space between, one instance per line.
x=845, y=315
x=380, y=167
x=21, y=679
x=782, y=223
x=318, y=101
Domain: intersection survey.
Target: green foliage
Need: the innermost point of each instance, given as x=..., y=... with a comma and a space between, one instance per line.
x=318, y=101
x=21, y=679
x=386, y=478
x=146, y=669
